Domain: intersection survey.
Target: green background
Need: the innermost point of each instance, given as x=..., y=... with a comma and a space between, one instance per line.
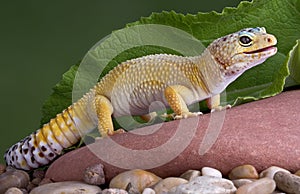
x=40, y=40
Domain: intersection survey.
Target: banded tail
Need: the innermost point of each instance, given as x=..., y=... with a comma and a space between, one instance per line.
x=42, y=146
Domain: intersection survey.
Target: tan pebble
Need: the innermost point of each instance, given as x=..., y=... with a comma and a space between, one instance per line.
x=207, y=185
x=261, y=186
x=94, y=175
x=167, y=184
x=297, y=173
x=13, y=190
x=148, y=191
x=190, y=174
x=208, y=171
x=2, y=168
x=132, y=190
x=271, y=171
x=114, y=191
x=287, y=182
x=240, y=182
x=139, y=179
x=243, y=172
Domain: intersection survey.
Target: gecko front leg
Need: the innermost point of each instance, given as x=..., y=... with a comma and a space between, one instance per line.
x=213, y=104
x=174, y=96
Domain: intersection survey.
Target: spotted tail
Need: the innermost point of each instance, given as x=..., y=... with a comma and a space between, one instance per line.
x=44, y=145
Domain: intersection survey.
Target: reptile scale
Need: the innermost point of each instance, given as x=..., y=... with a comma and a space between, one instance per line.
x=131, y=87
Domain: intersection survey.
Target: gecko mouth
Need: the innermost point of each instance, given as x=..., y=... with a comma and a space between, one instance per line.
x=266, y=49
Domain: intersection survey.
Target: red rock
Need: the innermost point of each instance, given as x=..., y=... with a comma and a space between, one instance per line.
x=262, y=133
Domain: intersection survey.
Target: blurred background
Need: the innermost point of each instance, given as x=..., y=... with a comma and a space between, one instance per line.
x=40, y=40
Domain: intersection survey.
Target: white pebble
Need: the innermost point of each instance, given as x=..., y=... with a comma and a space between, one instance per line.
x=148, y=191
x=208, y=171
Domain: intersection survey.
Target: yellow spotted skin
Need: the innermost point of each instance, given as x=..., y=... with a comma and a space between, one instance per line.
x=132, y=87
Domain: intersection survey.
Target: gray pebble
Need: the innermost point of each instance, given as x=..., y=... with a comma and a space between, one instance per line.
x=287, y=182
x=206, y=185
x=94, y=175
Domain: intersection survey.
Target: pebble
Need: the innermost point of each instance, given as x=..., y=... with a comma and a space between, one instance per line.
x=287, y=182
x=13, y=178
x=261, y=186
x=38, y=174
x=2, y=168
x=68, y=187
x=297, y=173
x=271, y=171
x=166, y=185
x=36, y=181
x=94, y=175
x=206, y=185
x=14, y=190
x=190, y=174
x=148, y=191
x=240, y=182
x=207, y=171
x=139, y=179
x=114, y=191
x=243, y=172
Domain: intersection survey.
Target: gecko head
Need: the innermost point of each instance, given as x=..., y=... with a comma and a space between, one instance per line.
x=237, y=52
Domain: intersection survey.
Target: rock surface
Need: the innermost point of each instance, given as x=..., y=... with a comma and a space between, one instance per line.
x=262, y=133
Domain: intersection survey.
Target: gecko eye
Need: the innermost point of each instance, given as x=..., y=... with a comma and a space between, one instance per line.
x=245, y=40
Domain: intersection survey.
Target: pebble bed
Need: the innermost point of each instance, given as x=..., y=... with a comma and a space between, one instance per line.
x=241, y=180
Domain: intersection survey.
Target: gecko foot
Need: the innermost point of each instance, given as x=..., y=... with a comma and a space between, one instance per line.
x=187, y=115
x=220, y=108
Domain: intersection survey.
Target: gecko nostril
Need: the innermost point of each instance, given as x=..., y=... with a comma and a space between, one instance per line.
x=269, y=40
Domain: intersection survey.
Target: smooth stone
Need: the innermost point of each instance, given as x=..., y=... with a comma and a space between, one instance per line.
x=271, y=171
x=68, y=187
x=239, y=142
x=13, y=178
x=139, y=179
x=13, y=190
x=261, y=186
x=190, y=174
x=243, y=172
x=166, y=185
x=287, y=182
x=206, y=185
x=148, y=191
x=240, y=182
x=114, y=191
x=208, y=171
x=297, y=173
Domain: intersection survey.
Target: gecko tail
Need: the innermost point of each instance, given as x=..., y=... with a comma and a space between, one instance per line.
x=44, y=145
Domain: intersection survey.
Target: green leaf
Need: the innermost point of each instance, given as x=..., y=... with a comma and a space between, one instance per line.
x=294, y=66
x=280, y=17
